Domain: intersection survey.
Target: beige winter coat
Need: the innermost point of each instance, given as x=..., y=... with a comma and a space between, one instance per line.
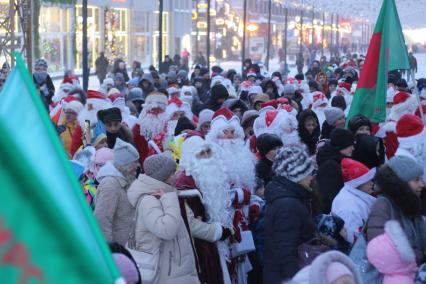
x=113, y=211
x=159, y=221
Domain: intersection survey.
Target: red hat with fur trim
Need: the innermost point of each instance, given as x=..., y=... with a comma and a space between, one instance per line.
x=224, y=113
x=345, y=85
x=409, y=125
x=92, y=94
x=400, y=97
x=175, y=105
x=355, y=173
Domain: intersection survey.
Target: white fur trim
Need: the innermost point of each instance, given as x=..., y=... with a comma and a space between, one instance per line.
x=405, y=142
x=218, y=231
x=362, y=179
x=172, y=108
x=190, y=193
x=390, y=126
x=396, y=234
x=409, y=106
x=154, y=146
x=240, y=194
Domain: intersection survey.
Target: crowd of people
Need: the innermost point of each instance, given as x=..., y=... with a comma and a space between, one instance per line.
x=220, y=177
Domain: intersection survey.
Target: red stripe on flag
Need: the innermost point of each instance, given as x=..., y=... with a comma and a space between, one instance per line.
x=368, y=78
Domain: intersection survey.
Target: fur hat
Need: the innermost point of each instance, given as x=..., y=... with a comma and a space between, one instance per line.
x=358, y=121
x=175, y=105
x=355, y=173
x=293, y=163
x=135, y=94
x=206, y=115
x=159, y=167
x=124, y=153
x=75, y=106
x=111, y=114
x=392, y=255
x=154, y=100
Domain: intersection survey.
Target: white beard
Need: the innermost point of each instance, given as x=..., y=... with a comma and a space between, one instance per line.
x=171, y=126
x=212, y=181
x=288, y=139
x=151, y=125
x=239, y=162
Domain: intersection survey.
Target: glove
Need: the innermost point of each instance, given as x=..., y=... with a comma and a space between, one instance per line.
x=226, y=233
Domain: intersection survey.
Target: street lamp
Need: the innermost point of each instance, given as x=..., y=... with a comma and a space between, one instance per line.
x=243, y=50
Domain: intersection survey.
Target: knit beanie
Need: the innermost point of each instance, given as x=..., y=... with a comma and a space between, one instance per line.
x=183, y=124
x=135, y=94
x=332, y=114
x=341, y=138
x=405, y=168
x=159, y=167
x=126, y=267
x=266, y=142
x=104, y=155
x=124, y=153
x=293, y=163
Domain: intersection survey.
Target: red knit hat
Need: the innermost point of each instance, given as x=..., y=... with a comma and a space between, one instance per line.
x=356, y=173
x=400, y=98
x=409, y=125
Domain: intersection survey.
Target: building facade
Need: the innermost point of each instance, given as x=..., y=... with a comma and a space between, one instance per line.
x=125, y=29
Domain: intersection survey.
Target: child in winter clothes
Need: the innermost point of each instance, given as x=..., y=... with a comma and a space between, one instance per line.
x=332, y=232
x=332, y=267
x=353, y=202
x=392, y=255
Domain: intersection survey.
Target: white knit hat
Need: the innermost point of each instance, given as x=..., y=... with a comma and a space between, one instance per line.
x=124, y=153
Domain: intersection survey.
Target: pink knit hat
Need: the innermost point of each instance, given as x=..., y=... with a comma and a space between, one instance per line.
x=104, y=155
x=336, y=270
x=126, y=267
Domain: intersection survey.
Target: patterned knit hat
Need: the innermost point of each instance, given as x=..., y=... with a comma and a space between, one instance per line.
x=159, y=167
x=293, y=163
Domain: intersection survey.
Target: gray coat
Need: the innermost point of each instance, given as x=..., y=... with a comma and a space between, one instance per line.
x=113, y=210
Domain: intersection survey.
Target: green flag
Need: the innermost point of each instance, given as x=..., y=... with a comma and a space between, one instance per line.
x=47, y=232
x=387, y=52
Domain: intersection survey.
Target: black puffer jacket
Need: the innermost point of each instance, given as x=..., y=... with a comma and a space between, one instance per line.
x=264, y=170
x=288, y=224
x=329, y=176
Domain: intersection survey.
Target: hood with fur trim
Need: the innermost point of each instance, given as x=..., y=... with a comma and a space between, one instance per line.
x=316, y=272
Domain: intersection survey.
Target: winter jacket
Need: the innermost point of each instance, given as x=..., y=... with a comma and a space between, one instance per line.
x=329, y=176
x=317, y=271
x=160, y=226
x=414, y=228
x=288, y=224
x=353, y=206
x=365, y=151
x=326, y=130
x=392, y=255
x=140, y=143
x=264, y=170
x=113, y=211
